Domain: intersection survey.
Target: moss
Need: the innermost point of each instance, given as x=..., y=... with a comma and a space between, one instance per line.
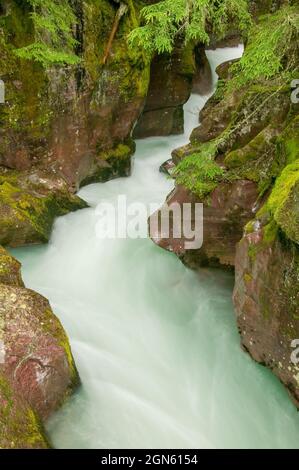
x=281, y=197
x=126, y=68
x=52, y=325
x=10, y=269
x=249, y=227
x=20, y=427
x=111, y=163
x=28, y=213
x=250, y=152
x=247, y=277
x=270, y=232
x=289, y=141
x=28, y=111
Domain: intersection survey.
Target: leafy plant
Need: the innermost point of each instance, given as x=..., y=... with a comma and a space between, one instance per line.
x=199, y=172
x=195, y=20
x=53, y=21
x=272, y=49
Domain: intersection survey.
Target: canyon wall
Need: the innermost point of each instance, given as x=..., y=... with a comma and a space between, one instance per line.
x=73, y=121
x=242, y=164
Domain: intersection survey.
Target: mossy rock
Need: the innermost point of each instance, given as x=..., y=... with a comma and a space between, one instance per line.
x=283, y=202
x=20, y=428
x=72, y=112
x=29, y=203
x=10, y=269
x=112, y=163
x=37, y=355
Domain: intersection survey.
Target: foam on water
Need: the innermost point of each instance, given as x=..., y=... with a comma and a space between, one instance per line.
x=156, y=344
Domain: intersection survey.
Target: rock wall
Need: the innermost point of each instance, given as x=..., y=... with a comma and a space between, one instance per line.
x=75, y=121
x=266, y=299
x=170, y=87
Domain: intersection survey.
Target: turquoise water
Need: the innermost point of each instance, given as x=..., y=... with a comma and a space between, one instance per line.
x=156, y=344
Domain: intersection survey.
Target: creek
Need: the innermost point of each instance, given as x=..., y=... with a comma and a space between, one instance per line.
x=156, y=344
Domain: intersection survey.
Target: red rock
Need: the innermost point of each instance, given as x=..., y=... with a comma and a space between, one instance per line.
x=266, y=299
x=37, y=362
x=229, y=208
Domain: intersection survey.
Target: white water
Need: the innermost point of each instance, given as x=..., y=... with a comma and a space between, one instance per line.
x=156, y=344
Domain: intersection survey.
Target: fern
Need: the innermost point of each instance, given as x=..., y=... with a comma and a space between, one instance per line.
x=272, y=49
x=198, y=172
x=193, y=19
x=55, y=43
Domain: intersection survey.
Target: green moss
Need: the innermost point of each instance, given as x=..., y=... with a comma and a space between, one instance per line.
x=289, y=141
x=250, y=152
x=283, y=201
x=10, y=269
x=111, y=163
x=28, y=213
x=247, y=277
x=27, y=109
x=126, y=69
x=52, y=325
x=20, y=427
x=270, y=232
x=283, y=187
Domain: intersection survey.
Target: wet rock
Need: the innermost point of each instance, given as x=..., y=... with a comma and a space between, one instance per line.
x=250, y=212
x=169, y=89
x=36, y=356
x=246, y=111
x=225, y=213
x=20, y=428
x=266, y=299
x=10, y=269
x=37, y=370
x=29, y=203
x=223, y=70
x=167, y=167
x=72, y=114
x=203, y=79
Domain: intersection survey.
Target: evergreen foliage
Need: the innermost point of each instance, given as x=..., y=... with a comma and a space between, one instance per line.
x=272, y=49
x=199, y=172
x=195, y=20
x=53, y=21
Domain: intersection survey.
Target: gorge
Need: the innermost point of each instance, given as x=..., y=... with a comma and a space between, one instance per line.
x=148, y=348
x=156, y=344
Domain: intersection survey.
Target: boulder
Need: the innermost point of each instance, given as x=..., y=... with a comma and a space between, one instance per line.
x=29, y=203
x=20, y=427
x=37, y=369
x=36, y=356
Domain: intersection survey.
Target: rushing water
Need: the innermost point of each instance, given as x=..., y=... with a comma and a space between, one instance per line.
x=156, y=344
